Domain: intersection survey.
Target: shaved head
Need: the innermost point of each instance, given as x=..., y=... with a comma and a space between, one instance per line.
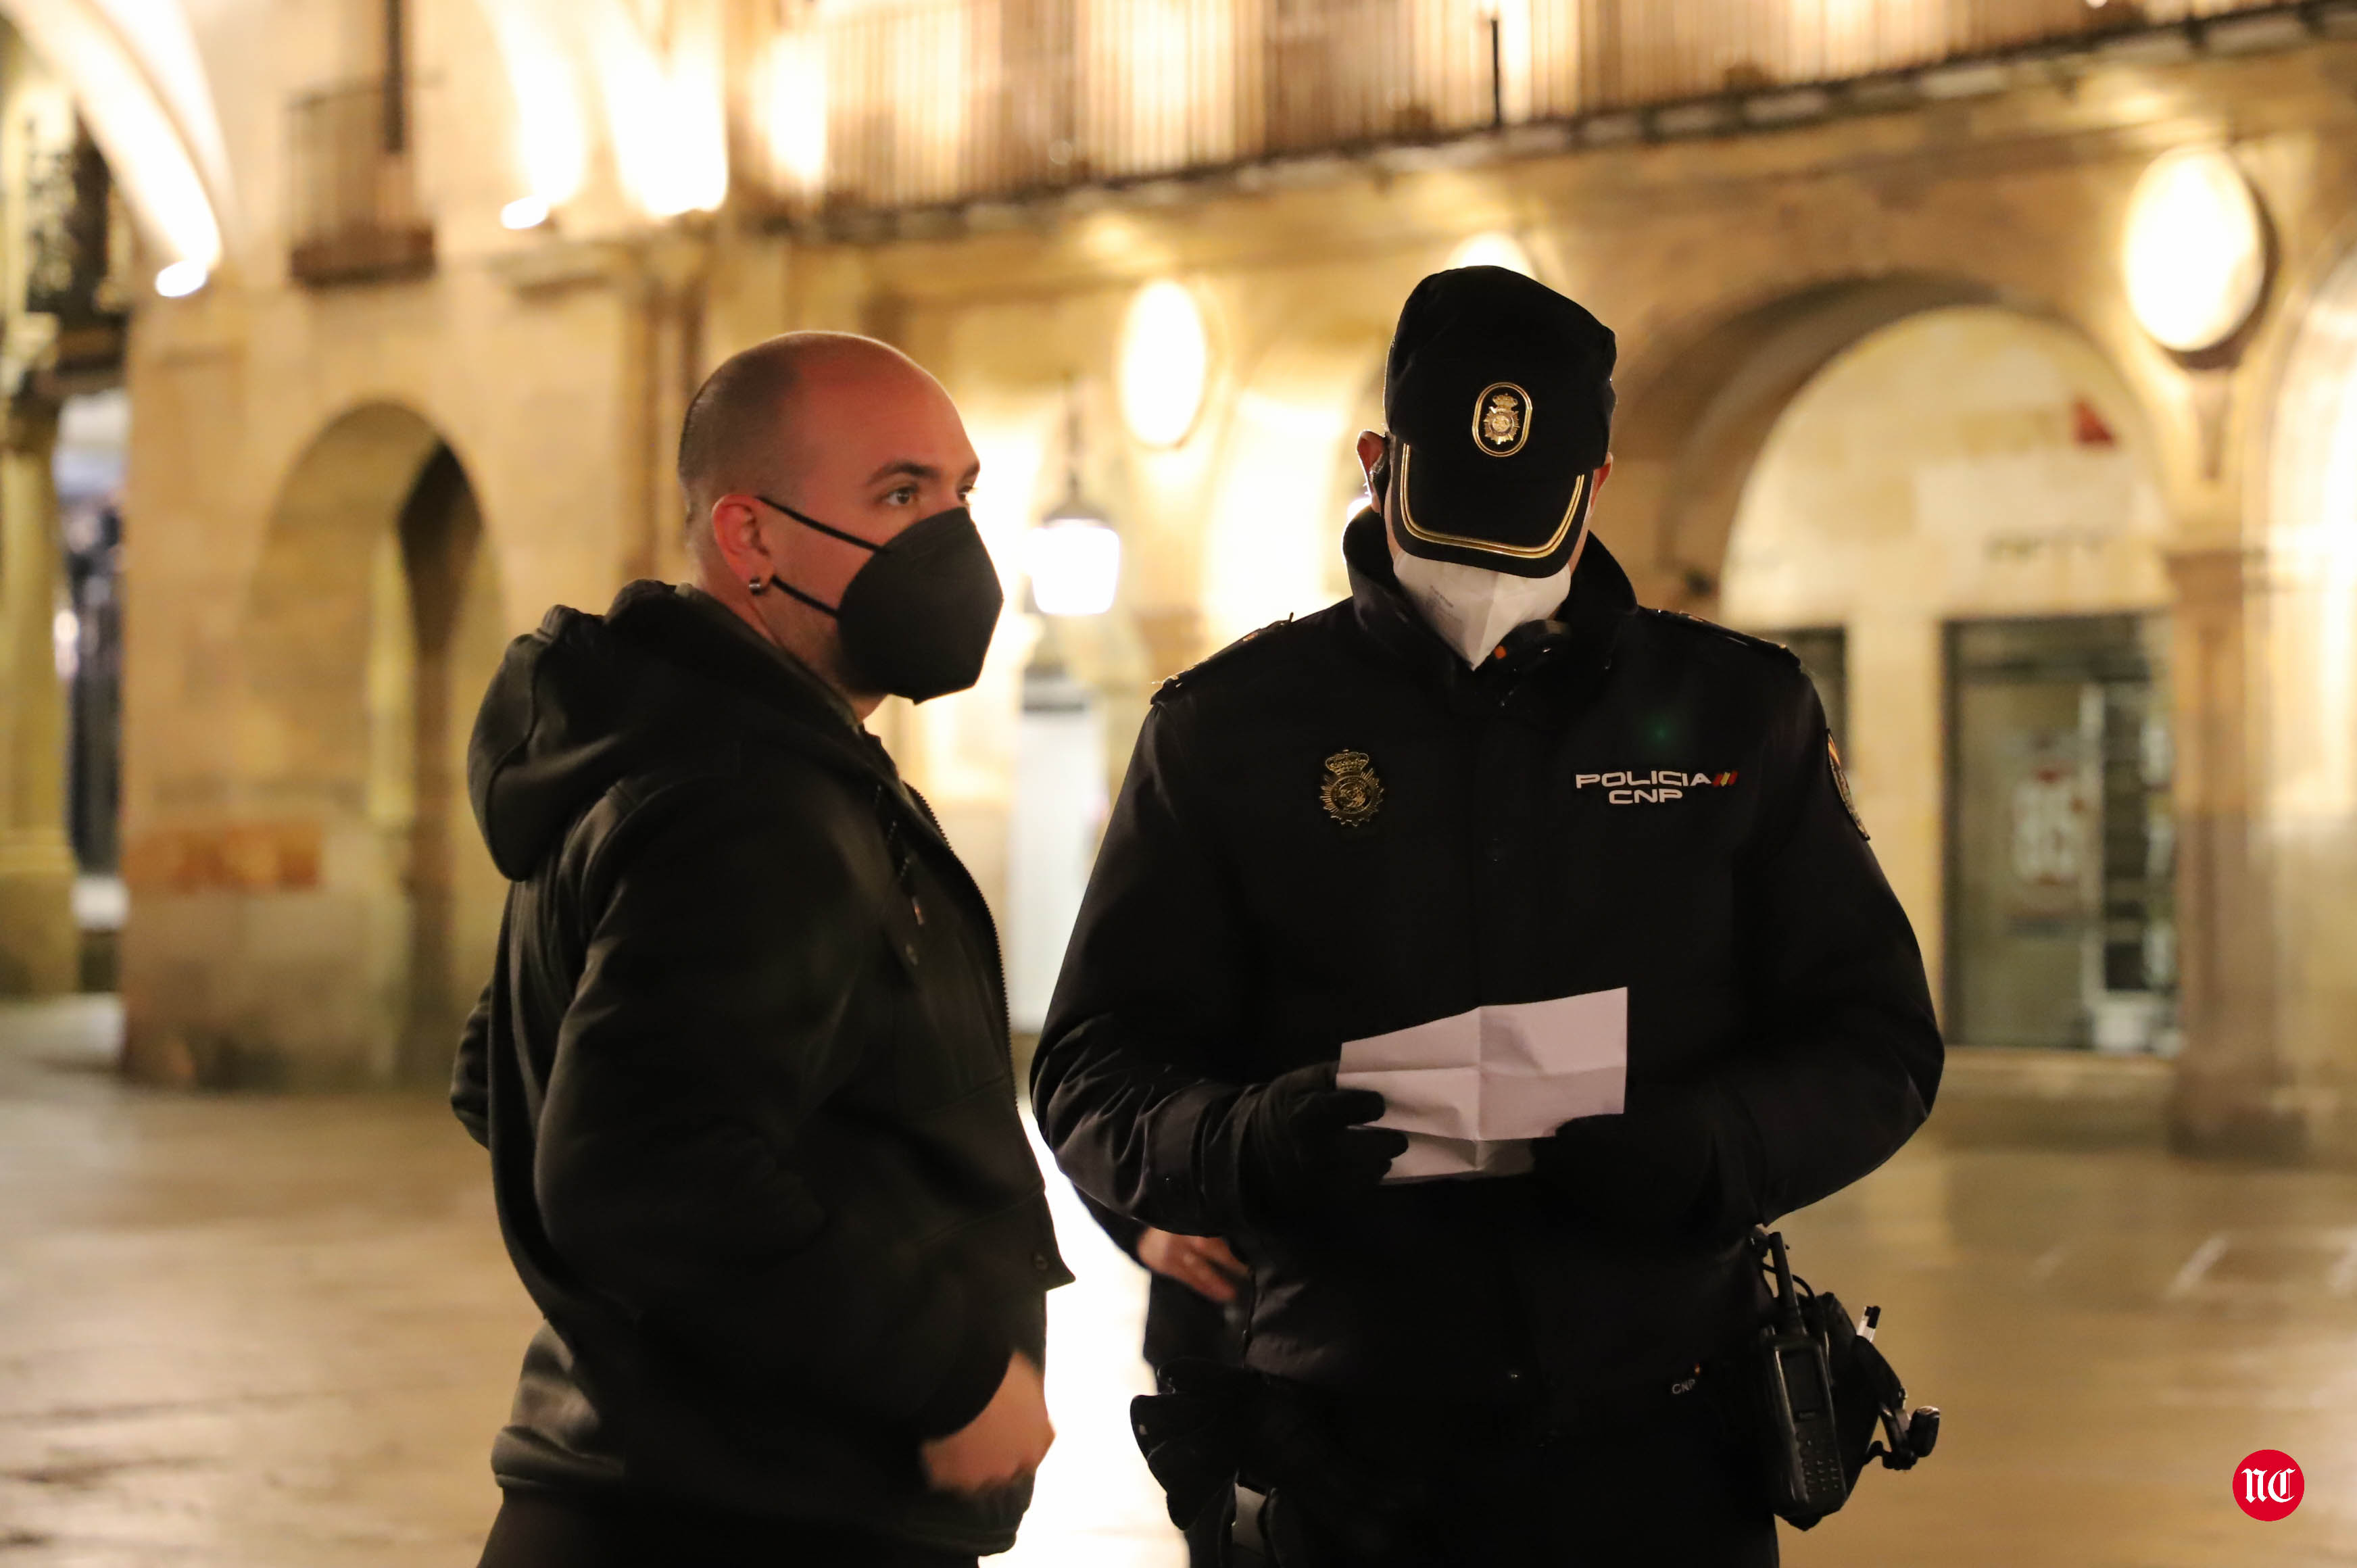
x=744, y=429
x=795, y=443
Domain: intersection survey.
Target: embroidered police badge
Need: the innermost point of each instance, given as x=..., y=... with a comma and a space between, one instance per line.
x=1501, y=419
x=1351, y=793
x=1841, y=785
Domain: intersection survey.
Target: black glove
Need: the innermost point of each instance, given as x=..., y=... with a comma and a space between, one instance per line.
x=1657, y=1169
x=1299, y=1147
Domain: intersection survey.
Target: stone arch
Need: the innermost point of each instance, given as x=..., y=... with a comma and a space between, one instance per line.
x=1967, y=501
x=1697, y=401
x=2310, y=527
x=146, y=98
x=352, y=902
x=2306, y=683
x=2022, y=410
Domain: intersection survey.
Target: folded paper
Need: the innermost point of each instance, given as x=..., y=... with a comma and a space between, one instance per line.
x=1470, y=1090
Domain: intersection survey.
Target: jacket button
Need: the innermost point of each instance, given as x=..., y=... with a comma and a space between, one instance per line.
x=908, y=951
x=1513, y=1374
x=1039, y=1262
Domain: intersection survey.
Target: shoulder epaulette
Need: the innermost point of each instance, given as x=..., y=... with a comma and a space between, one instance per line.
x=1250, y=643
x=1742, y=639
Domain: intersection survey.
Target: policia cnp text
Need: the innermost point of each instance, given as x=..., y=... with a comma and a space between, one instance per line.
x=1386, y=813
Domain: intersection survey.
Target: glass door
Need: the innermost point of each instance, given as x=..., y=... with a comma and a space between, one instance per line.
x=2061, y=920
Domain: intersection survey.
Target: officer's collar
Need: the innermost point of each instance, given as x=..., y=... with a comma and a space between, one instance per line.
x=1582, y=633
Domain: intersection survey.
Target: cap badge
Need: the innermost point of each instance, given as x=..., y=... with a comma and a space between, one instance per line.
x=1501, y=419
x=1351, y=793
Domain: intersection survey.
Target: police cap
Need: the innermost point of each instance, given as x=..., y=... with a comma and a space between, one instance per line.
x=1498, y=394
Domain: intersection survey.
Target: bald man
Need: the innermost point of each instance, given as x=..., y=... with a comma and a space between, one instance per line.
x=742, y=1066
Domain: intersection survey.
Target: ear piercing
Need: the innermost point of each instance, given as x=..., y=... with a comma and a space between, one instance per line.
x=755, y=586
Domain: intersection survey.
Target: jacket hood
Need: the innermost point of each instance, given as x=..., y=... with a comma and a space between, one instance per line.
x=585, y=700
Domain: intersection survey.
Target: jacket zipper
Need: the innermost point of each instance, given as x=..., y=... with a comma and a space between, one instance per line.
x=989, y=926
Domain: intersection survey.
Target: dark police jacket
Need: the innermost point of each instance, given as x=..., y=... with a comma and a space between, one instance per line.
x=743, y=1071
x=1625, y=798
x=1180, y=1323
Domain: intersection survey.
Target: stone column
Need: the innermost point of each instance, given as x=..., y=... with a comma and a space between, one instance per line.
x=1897, y=763
x=2234, y=1093
x=39, y=947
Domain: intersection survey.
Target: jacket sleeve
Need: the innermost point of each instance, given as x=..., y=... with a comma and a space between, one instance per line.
x=672, y=1167
x=1848, y=1055
x=1123, y=1231
x=1125, y=1084
x=470, y=1080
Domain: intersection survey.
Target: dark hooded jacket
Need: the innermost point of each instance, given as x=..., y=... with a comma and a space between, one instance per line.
x=743, y=1069
x=1620, y=798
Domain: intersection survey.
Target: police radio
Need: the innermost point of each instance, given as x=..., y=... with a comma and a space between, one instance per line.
x=1796, y=1391
x=1822, y=1390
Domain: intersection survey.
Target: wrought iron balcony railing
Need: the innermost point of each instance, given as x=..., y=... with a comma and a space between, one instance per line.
x=923, y=102
x=355, y=214
x=67, y=254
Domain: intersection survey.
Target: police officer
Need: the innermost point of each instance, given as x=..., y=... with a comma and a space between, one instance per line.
x=1196, y=1301
x=1488, y=778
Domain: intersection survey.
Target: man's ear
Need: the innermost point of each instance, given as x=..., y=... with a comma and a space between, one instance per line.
x=1604, y=472
x=1374, y=460
x=737, y=538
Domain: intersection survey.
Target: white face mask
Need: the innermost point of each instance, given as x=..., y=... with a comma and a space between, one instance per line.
x=1473, y=608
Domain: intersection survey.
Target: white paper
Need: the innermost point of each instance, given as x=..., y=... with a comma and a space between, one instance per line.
x=1470, y=1090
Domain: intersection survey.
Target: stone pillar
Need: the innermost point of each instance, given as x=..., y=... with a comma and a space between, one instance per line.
x=39, y=947
x=1897, y=767
x=2234, y=1093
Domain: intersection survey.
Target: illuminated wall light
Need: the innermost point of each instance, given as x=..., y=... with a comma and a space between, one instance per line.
x=668, y=116
x=1183, y=116
x=552, y=133
x=1073, y=557
x=181, y=279
x=1493, y=250
x=1074, y=564
x=2194, y=253
x=525, y=212
x=1166, y=363
x=796, y=111
x=1860, y=34
x=158, y=35
x=1506, y=24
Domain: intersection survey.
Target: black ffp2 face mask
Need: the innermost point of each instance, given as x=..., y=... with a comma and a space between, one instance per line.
x=916, y=619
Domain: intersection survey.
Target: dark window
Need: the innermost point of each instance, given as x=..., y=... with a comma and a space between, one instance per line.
x=1823, y=653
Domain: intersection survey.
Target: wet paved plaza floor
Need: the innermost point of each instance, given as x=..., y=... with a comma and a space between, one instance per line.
x=278, y=1333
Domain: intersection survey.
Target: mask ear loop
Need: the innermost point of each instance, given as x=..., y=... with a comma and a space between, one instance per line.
x=817, y=604
x=868, y=544
x=761, y=587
